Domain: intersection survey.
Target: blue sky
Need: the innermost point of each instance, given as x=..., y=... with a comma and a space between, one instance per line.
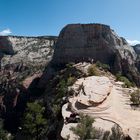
x=48, y=17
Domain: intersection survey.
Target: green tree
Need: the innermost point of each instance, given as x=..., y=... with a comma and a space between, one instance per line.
x=115, y=134
x=34, y=124
x=85, y=130
x=4, y=133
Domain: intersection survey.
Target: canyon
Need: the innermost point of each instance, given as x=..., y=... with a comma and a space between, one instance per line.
x=35, y=68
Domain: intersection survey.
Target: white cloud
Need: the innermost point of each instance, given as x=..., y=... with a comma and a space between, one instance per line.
x=5, y=32
x=133, y=42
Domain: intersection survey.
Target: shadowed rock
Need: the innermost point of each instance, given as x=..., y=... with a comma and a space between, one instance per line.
x=93, y=42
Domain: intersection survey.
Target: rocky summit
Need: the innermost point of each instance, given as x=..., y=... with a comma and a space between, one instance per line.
x=95, y=42
x=83, y=42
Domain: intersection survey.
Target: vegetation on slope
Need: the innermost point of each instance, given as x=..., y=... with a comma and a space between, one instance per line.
x=105, y=67
x=85, y=130
x=135, y=97
x=96, y=68
x=3, y=133
x=92, y=70
x=34, y=125
x=124, y=79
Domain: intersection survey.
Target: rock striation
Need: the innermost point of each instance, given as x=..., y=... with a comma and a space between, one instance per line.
x=114, y=108
x=96, y=42
x=26, y=49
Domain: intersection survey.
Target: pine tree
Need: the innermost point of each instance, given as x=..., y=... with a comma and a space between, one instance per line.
x=34, y=123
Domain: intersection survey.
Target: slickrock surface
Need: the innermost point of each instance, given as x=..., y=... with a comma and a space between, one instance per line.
x=115, y=108
x=102, y=88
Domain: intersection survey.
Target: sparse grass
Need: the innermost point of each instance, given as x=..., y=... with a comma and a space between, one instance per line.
x=93, y=71
x=135, y=97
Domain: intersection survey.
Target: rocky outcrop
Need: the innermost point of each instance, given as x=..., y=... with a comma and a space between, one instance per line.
x=137, y=48
x=82, y=42
x=95, y=42
x=113, y=110
x=26, y=49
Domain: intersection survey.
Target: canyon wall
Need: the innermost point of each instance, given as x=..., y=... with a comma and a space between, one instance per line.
x=94, y=42
x=32, y=50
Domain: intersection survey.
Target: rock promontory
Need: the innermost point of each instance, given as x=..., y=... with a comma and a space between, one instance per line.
x=95, y=42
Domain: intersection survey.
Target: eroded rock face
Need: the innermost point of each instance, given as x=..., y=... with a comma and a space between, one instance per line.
x=137, y=48
x=21, y=59
x=26, y=49
x=82, y=42
x=88, y=42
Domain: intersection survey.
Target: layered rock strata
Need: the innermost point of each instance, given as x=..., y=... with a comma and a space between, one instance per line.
x=33, y=50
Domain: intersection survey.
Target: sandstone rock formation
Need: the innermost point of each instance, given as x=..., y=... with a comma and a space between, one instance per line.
x=26, y=49
x=114, y=107
x=21, y=60
x=94, y=42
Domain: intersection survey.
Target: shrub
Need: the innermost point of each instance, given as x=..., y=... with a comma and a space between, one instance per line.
x=135, y=97
x=115, y=134
x=121, y=78
x=71, y=80
x=92, y=70
x=106, y=67
x=56, y=109
x=85, y=130
x=62, y=90
x=4, y=133
x=69, y=65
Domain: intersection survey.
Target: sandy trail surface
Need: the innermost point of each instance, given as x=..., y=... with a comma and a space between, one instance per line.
x=112, y=105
